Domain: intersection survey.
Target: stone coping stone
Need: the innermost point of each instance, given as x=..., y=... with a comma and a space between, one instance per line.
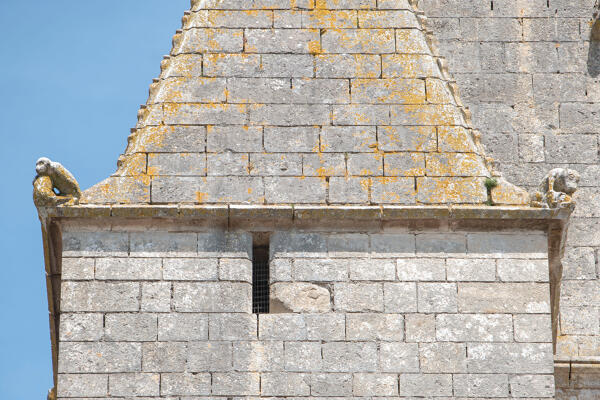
x=304, y=212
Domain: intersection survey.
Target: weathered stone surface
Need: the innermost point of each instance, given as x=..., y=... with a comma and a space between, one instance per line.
x=400, y=297
x=372, y=270
x=232, y=326
x=130, y=327
x=81, y=327
x=299, y=297
x=504, y=85
x=474, y=327
x=212, y=297
x=220, y=243
x=533, y=358
x=532, y=245
x=282, y=327
x=235, y=269
x=349, y=357
x=443, y=357
x=392, y=245
x=420, y=328
x=156, y=297
x=128, y=269
x=399, y=357
x=159, y=244
x=303, y=356
x=99, y=296
x=326, y=327
x=235, y=383
x=425, y=385
x=134, y=384
x=189, y=269
x=480, y=385
x=471, y=270
x=210, y=356
x=258, y=356
x=331, y=384
x=421, y=269
x=532, y=328
x=532, y=385
x=99, y=357
x=503, y=298
x=185, y=384
x=285, y=384
x=85, y=385
x=363, y=327
x=358, y=297
x=375, y=384
x=320, y=270
x=102, y=244
x=164, y=357
x=77, y=269
x=437, y=297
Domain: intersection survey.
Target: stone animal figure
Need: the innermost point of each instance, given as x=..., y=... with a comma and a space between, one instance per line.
x=52, y=394
x=54, y=185
x=556, y=190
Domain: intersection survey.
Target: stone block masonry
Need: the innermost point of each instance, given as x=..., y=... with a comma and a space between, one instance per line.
x=529, y=72
x=167, y=315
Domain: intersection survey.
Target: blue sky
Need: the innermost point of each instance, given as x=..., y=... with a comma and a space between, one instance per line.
x=73, y=74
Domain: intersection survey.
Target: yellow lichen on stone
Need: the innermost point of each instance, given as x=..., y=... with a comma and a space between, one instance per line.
x=506, y=193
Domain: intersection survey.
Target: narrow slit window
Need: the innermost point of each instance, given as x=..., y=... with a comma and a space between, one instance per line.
x=260, y=278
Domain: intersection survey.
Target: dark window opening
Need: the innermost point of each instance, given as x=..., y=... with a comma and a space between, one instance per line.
x=260, y=276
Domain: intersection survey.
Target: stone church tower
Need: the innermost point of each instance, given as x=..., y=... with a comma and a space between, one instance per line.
x=305, y=209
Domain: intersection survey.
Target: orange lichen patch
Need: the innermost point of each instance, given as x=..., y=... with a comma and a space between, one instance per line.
x=209, y=113
x=411, y=41
x=192, y=90
x=314, y=47
x=231, y=64
x=326, y=19
x=438, y=92
x=185, y=65
x=455, y=139
x=334, y=4
x=426, y=115
x=362, y=40
x=451, y=190
x=409, y=66
x=121, y=190
x=365, y=184
x=201, y=197
x=132, y=165
x=150, y=115
x=153, y=171
x=238, y=19
x=388, y=91
x=506, y=193
x=364, y=65
x=407, y=138
x=151, y=138
x=393, y=190
x=404, y=164
x=455, y=164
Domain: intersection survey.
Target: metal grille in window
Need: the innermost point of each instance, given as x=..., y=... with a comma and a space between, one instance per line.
x=260, y=280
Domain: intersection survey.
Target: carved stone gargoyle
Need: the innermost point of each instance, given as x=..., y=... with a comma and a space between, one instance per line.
x=54, y=185
x=557, y=189
x=52, y=394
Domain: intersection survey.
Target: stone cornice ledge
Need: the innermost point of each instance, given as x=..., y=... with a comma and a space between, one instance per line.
x=304, y=212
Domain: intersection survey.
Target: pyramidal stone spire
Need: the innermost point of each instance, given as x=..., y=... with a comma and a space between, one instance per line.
x=303, y=102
